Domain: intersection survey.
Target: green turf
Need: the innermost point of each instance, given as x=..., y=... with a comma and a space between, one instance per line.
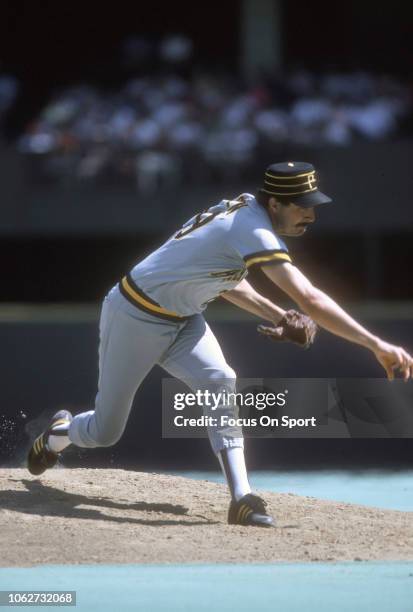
x=316, y=587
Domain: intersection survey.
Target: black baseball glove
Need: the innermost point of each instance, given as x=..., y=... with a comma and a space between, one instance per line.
x=293, y=327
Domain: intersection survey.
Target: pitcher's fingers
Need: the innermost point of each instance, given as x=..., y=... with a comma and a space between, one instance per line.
x=408, y=358
x=404, y=366
x=389, y=371
x=407, y=366
x=276, y=332
x=405, y=371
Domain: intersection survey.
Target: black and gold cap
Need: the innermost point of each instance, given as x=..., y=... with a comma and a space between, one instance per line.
x=295, y=182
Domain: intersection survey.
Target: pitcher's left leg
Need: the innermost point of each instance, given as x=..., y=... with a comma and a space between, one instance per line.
x=196, y=358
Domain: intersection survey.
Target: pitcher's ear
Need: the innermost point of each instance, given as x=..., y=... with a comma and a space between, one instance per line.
x=273, y=204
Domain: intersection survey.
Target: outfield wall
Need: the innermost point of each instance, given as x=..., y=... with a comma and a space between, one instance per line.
x=49, y=359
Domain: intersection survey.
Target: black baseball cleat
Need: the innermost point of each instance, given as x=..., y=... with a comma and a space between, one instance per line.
x=249, y=510
x=40, y=458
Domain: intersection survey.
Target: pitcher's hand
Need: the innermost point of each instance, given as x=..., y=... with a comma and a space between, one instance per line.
x=394, y=358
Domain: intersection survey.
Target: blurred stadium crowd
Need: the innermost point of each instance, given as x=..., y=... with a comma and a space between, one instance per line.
x=162, y=130
x=183, y=125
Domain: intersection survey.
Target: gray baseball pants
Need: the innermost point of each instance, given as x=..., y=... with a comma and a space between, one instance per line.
x=131, y=343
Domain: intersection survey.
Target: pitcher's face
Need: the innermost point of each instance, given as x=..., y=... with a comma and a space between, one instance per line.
x=290, y=219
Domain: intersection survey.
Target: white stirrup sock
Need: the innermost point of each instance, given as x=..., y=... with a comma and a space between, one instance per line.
x=232, y=462
x=57, y=443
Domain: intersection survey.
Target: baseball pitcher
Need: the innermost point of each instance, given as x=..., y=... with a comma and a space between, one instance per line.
x=154, y=316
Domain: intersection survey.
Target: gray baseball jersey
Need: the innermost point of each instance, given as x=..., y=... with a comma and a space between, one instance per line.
x=160, y=320
x=209, y=255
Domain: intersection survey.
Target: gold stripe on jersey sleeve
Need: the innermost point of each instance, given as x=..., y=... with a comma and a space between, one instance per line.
x=265, y=258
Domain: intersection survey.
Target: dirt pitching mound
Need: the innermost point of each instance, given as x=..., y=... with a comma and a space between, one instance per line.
x=117, y=516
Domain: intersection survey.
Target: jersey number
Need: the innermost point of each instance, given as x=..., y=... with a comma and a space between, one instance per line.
x=206, y=216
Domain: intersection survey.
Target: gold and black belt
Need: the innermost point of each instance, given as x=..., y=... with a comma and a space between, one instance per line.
x=130, y=290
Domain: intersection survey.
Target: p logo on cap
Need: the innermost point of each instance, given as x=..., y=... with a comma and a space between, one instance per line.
x=294, y=181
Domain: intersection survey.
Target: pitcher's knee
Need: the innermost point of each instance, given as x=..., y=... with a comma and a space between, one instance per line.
x=224, y=374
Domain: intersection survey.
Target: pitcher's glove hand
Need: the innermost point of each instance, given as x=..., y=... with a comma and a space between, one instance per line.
x=293, y=327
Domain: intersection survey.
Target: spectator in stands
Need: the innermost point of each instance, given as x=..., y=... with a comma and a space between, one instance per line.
x=156, y=130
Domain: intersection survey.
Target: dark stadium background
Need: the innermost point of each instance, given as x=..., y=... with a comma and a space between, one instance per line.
x=67, y=245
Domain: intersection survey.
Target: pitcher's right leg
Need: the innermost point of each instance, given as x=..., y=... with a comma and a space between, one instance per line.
x=131, y=342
